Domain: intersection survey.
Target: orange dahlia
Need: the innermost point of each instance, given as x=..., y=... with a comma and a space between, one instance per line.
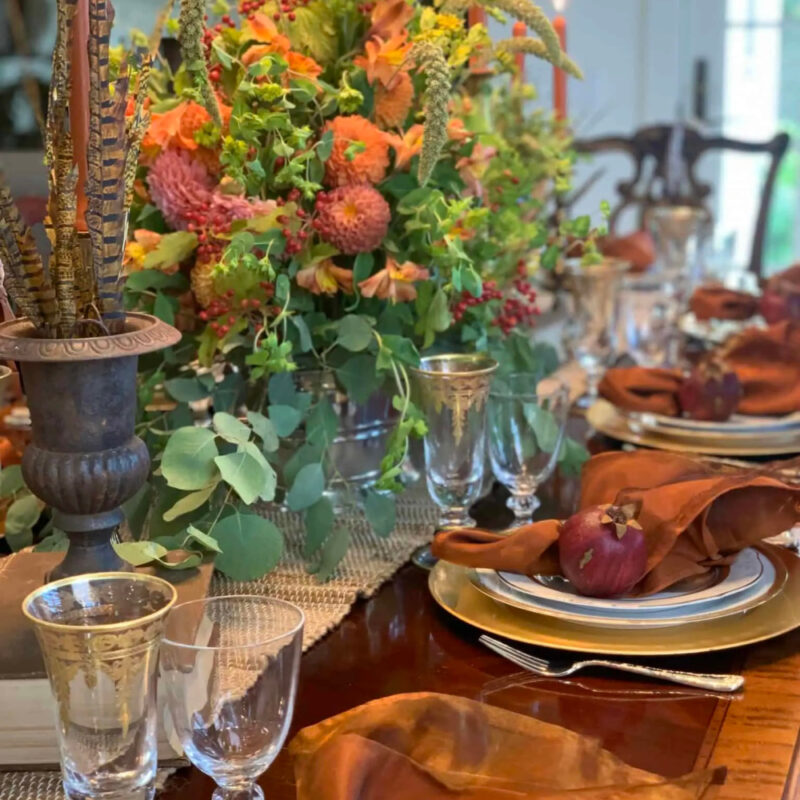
x=360, y=152
x=354, y=219
x=393, y=103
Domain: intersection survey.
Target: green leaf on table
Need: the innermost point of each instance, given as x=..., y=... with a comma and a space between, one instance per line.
x=307, y=453
x=190, y=502
x=333, y=550
x=381, y=511
x=56, y=542
x=190, y=562
x=11, y=480
x=322, y=424
x=196, y=536
x=308, y=486
x=270, y=483
x=285, y=419
x=139, y=553
x=186, y=390
x=282, y=391
x=23, y=514
x=19, y=540
x=544, y=425
x=571, y=458
x=265, y=430
x=137, y=510
x=243, y=473
x=251, y=546
x=164, y=309
x=354, y=333
x=360, y=377
x=225, y=394
x=188, y=459
x=319, y=522
x=230, y=428
x=171, y=250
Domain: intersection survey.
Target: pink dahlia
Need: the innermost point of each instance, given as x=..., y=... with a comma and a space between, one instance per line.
x=353, y=219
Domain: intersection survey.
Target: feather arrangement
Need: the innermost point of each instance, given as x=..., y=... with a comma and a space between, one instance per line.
x=91, y=150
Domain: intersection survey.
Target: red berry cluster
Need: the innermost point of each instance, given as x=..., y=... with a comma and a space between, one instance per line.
x=521, y=309
x=294, y=241
x=490, y=292
x=248, y=8
x=224, y=314
x=287, y=7
x=205, y=216
x=365, y=8
x=209, y=34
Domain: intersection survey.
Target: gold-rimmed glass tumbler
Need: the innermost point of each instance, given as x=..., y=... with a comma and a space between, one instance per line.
x=99, y=635
x=452, y=391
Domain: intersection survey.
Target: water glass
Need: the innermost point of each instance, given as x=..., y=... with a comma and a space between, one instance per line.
x=229, y=668
x=591, y=333
x=527, y=420
x=100, y=635
x=645, y=330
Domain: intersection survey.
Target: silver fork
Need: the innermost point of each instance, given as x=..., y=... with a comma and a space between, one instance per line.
x=549, y=669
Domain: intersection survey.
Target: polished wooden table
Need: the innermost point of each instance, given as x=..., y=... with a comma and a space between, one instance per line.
x=401, y=641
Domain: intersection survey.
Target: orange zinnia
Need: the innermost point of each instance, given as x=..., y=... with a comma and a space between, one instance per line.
x=360, y=152
x=394, y=282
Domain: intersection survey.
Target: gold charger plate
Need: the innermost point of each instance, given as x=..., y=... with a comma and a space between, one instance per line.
x=451, y=589
x=603, y=417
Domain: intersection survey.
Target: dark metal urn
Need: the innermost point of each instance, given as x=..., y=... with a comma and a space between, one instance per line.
x=85, y=459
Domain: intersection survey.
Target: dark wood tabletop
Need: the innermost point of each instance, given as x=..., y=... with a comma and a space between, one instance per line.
x=401, y=641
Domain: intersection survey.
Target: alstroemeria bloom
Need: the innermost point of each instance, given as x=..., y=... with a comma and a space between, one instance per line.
x=472, y=168
x=394, y=282
x=384, y=59
x=407, y=145
x=325, y=277
x=302, y=66
x=389, y=18
x=260, y=28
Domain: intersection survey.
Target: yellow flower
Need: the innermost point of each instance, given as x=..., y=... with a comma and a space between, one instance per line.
x=449, y=22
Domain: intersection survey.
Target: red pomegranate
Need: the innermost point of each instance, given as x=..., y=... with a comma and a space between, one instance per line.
x=711, y=392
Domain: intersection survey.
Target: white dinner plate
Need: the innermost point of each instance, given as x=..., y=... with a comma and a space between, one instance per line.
x=736, y=425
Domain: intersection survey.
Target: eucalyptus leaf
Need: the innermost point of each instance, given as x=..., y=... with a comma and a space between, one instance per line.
x=163, y=308
x=307, y=488
x=285, y=419
x=23, y=514
x=230, y=428
x=11, y=480
x=331, y=554
x=188, y=459
x=56, y=542
x=265, y=430
x=194, y=535
x=322, y=424
x=354, y=333
x=190, y=502
x=19, y=540
x=547, y=431
x=190, y=562
x=186, y=390
x=282, y=391
x=139, y=553
x=381, y=511
x=251, y=546
x=360, y=377
x=319, y=522
x=243, y=473
x=270, y=483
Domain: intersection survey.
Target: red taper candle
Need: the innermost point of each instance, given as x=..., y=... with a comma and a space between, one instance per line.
x=559, y=76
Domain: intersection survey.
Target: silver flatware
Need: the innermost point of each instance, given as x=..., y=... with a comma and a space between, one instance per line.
x=550, y=669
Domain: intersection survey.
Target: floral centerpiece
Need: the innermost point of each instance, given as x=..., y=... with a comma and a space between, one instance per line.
x=329, y=185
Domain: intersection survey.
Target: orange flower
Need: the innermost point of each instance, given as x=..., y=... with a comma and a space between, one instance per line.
x=393, y=104
x=384, y=59
x=260, y=28
x=279, y=46
x=177, y=127
x=472, y=168
x=144, y=242
x=302, y=65
x=325, y=277
x=407, y=145
x=389, y=18
x=394, y=282
x=360, y=152
x=457, y=131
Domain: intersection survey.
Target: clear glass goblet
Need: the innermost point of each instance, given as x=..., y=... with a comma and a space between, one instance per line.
x=452, y=391
x=99, y=635
x=527, y=420
x=229, y=666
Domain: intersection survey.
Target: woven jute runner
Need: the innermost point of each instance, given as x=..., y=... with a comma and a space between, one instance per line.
x=369, y=562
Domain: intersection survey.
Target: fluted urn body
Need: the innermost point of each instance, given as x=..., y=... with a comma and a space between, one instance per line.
x=85, y=460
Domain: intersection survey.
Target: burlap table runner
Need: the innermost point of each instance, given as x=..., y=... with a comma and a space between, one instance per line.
x=369, y=562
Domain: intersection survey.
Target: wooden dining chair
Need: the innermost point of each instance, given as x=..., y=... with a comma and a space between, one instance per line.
x=652, y=150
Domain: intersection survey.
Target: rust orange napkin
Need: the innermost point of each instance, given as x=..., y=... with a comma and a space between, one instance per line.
x=637, y=248
x=717, y=302
x=643, y=389
x=695, y=515
x=440, y=747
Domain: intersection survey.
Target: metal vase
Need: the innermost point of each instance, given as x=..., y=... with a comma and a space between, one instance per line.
x=84, y=460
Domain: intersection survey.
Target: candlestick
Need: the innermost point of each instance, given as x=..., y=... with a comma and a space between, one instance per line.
x=559, y=76
x=476, y=15
x=520, y=31
x=79, y=105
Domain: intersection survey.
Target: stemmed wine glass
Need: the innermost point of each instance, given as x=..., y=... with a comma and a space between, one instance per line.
x=229, y=666
x=527, y=420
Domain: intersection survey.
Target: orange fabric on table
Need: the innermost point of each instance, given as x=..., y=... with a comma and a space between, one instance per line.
x=643, y=389
x=717, y=302
x=440, y=747
x=767, y=363
x=637, y=248
x=694, y=514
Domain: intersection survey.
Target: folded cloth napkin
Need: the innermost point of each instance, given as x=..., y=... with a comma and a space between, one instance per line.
x=643, y=389
x=786, y=282
x=439, y=747
x=695, y=515
x=767, y=363
x=637, y=248
x=717, y=302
